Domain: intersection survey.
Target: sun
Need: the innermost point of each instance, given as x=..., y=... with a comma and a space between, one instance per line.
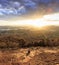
x=46, y=20
x=38, y=23
x=31, y=22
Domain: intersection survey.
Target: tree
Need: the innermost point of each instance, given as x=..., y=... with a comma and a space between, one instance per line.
x=21, y=43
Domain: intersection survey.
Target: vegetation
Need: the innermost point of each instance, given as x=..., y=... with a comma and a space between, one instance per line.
x=10, y=42
x=17, y=37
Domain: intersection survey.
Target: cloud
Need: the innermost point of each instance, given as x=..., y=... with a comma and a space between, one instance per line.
x=21, y=7
x=29, y=4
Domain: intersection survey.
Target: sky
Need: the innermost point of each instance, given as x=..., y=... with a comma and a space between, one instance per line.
x=21, y=7
x=49, y=9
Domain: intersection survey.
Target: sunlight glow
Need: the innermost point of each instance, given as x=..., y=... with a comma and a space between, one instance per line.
x=38, y=22
x=53, y=17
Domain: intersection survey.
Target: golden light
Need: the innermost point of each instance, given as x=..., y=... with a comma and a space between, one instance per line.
x=53, y=17
x=38, y=22
x=34, y=23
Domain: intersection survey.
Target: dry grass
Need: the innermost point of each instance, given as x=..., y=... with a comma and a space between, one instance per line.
x=37, y=56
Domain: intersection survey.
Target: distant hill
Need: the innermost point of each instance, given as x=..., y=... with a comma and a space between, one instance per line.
x=28, y=36
x=52, y=31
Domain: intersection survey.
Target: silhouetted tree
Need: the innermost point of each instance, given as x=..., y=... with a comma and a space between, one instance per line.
x=21, y=43
x=42, y=42
x=47, y=42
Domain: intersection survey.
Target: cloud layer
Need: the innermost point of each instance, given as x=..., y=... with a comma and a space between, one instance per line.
x=21, y=7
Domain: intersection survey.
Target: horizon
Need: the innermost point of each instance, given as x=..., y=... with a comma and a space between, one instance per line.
x=36, y=13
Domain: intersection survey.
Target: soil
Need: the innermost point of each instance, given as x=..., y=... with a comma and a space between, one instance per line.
x=30, y=56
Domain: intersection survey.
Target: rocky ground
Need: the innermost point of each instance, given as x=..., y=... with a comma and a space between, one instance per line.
x=30, y=56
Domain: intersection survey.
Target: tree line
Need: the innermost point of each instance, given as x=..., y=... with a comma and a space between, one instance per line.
x=21, y=43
